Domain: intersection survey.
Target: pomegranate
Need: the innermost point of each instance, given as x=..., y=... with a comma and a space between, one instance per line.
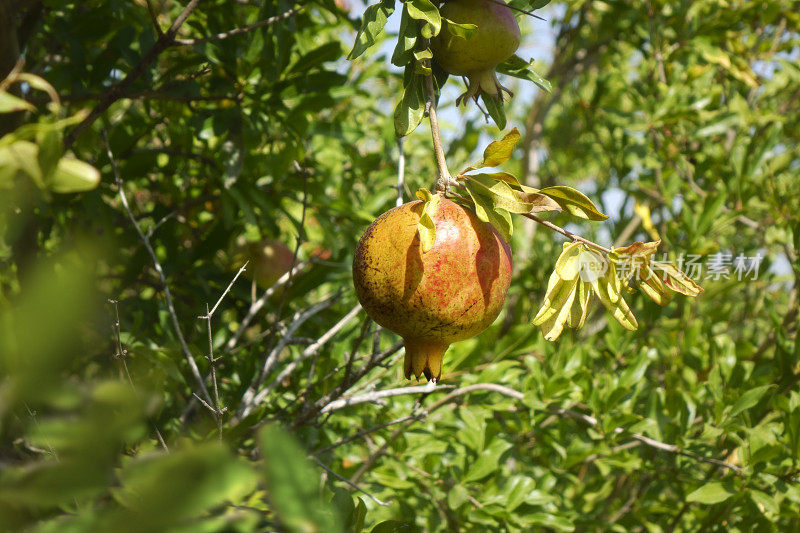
x=268, y=260
x=431, y=299
x=496, y=39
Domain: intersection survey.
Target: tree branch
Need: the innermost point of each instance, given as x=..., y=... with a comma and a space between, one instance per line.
x=160, y=271
x=117, y=91
x=239, y=31
x=566, y=233
x=443, y=182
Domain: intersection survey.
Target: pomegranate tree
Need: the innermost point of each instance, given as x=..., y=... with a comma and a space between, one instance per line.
x=495, y=39
x=432, y=298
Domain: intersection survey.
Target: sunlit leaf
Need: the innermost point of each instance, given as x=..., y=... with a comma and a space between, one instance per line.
x=574, y=202
x=484, y=208
x=411, y=108
x=372, y=23
x=425, y=227
x=711, y=493
x=678, y=281
x=72, y=175
x=607, y=288
x=519, y=68
x=498, y=152
x=10, y=103
x=464, y=31
x=424, y=10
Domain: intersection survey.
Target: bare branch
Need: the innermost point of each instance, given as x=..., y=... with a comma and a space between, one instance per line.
x=248, y=398
x=380, y=394
x=160, y=271
x=259, y=304
x=239, y=31
x=506, y=391
x=308, y=352
x=564, y=232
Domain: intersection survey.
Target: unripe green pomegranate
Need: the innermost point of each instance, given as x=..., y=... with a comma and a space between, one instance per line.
x=450, y=293
x=496, y=39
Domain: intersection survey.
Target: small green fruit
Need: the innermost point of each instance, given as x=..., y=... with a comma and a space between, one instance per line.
x=495, y=40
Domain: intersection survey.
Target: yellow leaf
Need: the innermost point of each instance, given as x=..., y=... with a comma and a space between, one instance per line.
x=643, y=210
x=425, y=227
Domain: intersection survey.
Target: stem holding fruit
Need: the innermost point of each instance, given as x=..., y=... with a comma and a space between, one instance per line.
x=444, y=180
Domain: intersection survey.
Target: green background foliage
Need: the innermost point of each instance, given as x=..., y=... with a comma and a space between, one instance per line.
x=680, y=120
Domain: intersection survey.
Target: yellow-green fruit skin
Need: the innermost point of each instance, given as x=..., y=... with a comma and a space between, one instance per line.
x=450, y=293
x=495, y=40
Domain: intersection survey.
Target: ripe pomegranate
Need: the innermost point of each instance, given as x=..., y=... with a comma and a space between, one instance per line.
x=450, y=293
x=268, y=260
x=496, y=39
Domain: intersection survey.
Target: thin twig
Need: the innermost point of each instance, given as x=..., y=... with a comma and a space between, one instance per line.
x=256, y=306
x=566, y=233
x=352, y=484
x=117, y=91
x=248, y=398
x=154, y=18
x=160, y=271
x=308, y=352
x=121, y=356
x=364, y=432
x=506, y=391
x=529, y=13
x=239, y=31
x=219, y=411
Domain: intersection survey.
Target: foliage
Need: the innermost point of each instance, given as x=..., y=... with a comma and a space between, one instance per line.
x=285, y=409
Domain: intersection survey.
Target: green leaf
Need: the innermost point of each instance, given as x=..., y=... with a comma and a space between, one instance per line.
x=519, y=68
x=421, y=64
x=749, y=399
x=411, y=108
x=487, y=461
x=574, y=202
x=464, y=31
x=395, y=526
x=72, y=175
x=484, y=208
x=494, y=106
x=425, y=11
x=372, y=24
x=164, y=490
x=293, y=484
x=406, y=39
x=558, y=523
x=425, y=227
x=580, y=306
x=10, y=103
x=22, y=156
x=711, y=493
x=504, y=197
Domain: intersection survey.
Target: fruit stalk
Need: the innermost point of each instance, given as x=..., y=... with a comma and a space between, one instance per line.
x=443, y=182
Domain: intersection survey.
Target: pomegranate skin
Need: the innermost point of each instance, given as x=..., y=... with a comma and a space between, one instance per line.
x=450, y=293
x=496, y=39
